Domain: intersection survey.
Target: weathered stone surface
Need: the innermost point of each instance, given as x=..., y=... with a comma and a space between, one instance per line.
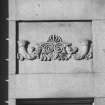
x=57, y=9
x=99, y=46
x=12, y=47
x=98, y=9
x=53, y=9
x=53, y=85
x=99, y=84
x=71, y=32
x=99, y=101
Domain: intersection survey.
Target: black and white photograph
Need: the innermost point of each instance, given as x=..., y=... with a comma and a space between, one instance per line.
x=52, y=52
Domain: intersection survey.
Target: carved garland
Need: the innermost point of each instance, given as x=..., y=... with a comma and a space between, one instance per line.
x=54, y=49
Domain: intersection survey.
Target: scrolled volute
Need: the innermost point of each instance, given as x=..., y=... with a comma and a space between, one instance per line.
x=54, y=49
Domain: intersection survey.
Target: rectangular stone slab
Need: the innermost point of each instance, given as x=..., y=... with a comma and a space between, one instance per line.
x=53, y=9
x=71, y=32
x=98, y=9
x=99, y=46
x=56, y=9
x=52, y=85
x=99, y=84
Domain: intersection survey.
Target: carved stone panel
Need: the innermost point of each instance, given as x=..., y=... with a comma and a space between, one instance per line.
x=55, y=47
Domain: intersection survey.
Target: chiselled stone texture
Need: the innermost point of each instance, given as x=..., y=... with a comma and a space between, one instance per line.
x=40, y=42
x=54, y=49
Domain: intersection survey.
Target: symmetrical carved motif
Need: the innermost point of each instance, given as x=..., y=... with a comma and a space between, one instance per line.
x=54, y=49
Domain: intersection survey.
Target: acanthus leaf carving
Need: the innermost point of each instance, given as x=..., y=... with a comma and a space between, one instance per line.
x=54, y=49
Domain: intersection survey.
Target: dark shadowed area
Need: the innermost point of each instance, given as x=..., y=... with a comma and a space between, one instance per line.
x=3, y=51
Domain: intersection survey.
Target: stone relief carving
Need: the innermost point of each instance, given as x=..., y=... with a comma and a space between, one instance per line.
x=54, y=49
x=84, y=50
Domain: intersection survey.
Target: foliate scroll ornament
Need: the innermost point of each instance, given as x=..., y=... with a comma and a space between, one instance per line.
x=85, y=50
x=54, y=49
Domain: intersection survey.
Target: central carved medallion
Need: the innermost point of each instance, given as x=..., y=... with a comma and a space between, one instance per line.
x=54, y=49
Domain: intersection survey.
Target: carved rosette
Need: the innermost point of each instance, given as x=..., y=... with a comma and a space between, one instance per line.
x=54, y=49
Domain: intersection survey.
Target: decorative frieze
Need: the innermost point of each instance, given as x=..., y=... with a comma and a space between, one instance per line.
x=54, y=49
